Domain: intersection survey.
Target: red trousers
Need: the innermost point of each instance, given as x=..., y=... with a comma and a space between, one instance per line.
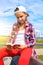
x=25, y=55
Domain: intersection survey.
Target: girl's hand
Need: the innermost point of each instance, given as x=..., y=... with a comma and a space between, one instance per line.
x=23, y=46
x=8, y=47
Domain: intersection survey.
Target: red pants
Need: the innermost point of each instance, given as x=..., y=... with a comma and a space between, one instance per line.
x=25, y=55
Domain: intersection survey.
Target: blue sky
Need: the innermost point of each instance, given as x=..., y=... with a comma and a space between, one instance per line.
x=7, y=17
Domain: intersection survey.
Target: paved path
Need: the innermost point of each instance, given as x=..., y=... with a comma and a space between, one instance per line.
x=39, y=51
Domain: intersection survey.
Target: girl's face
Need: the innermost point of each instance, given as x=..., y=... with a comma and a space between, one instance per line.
x=21, y=17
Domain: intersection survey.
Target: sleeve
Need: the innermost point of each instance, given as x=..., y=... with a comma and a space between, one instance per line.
x=32, y=36
x=12, y=36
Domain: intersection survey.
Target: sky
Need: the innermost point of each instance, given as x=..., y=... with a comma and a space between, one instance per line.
x=7, y=18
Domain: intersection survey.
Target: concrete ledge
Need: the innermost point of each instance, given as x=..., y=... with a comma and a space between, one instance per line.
x=7, y=61
x=39, y=51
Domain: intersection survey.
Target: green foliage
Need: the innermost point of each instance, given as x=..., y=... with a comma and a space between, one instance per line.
x=37, y=47
x=40, y=40
x=4, y=39
x=41, y=57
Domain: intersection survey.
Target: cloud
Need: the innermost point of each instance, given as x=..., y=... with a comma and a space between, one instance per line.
x=5, y=30
x=37, y=8
x=6, y=9
x=39, y=33
x=7, y=12
x=38, y=26
x=40, y=21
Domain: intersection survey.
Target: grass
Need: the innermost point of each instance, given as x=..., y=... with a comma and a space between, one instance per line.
x=37, y=47
x=41, y=57
x=39, y=40
x=4, y=39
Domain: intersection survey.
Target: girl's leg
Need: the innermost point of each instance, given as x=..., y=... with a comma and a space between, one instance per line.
x=4, y=52
x=1, y=62
x=25, y=56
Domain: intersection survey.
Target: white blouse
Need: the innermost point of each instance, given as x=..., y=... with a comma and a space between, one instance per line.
x=20, y=38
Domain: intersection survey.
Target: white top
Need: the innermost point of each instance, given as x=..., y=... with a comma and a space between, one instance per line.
x=20, y=38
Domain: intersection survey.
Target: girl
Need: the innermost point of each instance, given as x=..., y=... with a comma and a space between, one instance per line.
x=22, y=38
